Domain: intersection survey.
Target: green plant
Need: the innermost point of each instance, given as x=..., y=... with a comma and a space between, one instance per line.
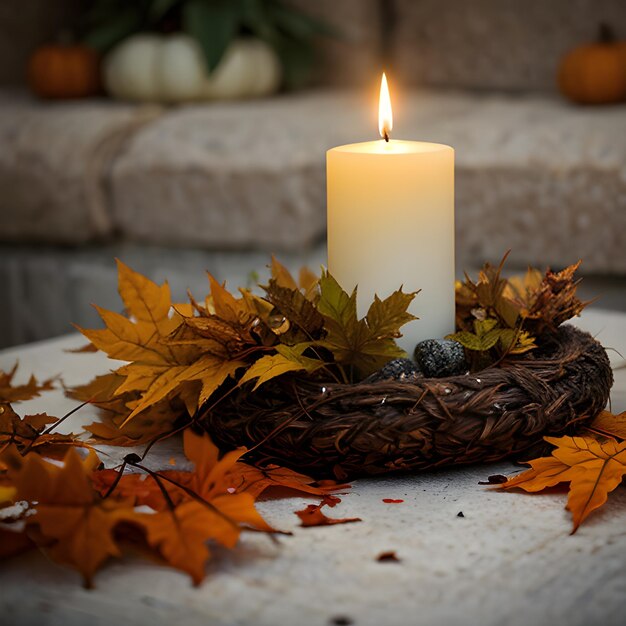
x=214, y=24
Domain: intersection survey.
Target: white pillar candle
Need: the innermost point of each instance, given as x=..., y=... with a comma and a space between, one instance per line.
x=391, y=223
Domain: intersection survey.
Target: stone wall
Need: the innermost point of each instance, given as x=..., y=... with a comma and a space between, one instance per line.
x=494, y=44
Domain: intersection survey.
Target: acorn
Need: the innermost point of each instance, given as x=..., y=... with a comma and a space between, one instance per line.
x=441, y=357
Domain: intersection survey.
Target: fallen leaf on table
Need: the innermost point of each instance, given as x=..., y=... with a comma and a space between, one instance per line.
x=77, y=524
x=27, y=433
x=211, y=477
x=181, y=535
x=312, y=514
x=592, y=466
x=609, y=424
x=17, y=393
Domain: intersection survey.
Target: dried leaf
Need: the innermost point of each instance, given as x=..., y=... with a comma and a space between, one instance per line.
x=68, y=512
x=167, y=351
x=287, y=359
x=281, y=275
x=257, y=480
x=364, y=345
x=295, y=307
x=554, y=301
x=609, y=424
x=27, y=434
x=312, y=515
x=593, y=468
x=18, y=393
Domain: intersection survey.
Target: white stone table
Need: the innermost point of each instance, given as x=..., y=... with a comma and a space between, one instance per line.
x=509, y=561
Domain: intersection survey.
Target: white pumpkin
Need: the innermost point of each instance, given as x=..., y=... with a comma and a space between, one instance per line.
x=153, y=68
x=248, y=68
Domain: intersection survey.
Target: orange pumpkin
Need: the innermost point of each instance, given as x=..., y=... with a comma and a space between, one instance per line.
x=595, y=73
x=64, y=71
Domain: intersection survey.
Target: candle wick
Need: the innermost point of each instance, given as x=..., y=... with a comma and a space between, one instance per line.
x=386, y=136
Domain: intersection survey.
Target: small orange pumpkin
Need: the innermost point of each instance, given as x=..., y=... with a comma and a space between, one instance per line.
x=64, y=71
x=595, y=73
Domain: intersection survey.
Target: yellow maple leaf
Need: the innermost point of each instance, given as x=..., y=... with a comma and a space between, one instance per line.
x=164, y=361
x=286, y=359
x=593, y=467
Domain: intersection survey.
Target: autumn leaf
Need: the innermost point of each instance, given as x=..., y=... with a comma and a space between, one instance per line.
x=17, y=393
x=210, y=477
x=287, y=359
x=609, y=424
x=164, y=362
x=592, y=466
x=312, y=514
x=515, y=341
x=181, y=536
x=218, y=513
x=555, y=301
x=364, y=345
x=151, y=423
x=485, y=336
x=306, y=323
x=281, y=275
x=257, y=480
x=28, y=434
x=307, y=283
x=521, y=290
x=139, y=488
x=100, y=392
x=68, y=512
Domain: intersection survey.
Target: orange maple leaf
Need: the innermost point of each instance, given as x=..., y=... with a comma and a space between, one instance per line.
x=256, y=480
x=593, y=467
x=77, y=525
x=214, y=511
x=609, y=424
x=211, y=477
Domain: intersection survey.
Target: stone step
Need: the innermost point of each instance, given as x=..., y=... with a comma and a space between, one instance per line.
x=534, y=174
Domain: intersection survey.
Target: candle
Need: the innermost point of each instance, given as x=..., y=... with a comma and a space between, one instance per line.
x=391, y=223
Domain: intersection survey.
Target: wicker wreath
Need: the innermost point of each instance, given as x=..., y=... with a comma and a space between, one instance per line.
x=346, y=431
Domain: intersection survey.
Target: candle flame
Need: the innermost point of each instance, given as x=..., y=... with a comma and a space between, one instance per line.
x=385, y=115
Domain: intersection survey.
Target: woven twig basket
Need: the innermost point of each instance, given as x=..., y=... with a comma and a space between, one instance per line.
x=346, y=431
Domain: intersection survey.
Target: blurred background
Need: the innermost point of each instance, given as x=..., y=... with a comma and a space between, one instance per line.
x=184, y=135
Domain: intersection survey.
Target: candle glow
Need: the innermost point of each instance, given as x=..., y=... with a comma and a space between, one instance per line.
x=385, y=114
